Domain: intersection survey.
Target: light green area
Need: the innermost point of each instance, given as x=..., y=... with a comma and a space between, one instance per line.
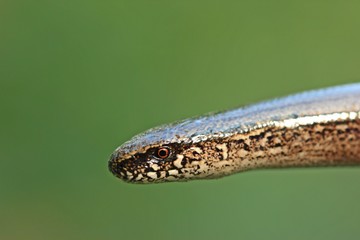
x=78, y=78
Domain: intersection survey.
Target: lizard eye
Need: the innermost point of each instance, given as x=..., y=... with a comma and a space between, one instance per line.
x=163, y=152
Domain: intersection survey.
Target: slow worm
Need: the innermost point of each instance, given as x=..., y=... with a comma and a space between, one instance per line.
x=314, y=128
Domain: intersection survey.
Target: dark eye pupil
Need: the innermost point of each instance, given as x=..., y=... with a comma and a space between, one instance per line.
x=163, y=153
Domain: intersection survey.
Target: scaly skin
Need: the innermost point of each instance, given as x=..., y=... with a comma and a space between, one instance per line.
x=316, y=128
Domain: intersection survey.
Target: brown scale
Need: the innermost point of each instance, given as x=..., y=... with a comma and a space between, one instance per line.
x=335, y=143
x=326, y=144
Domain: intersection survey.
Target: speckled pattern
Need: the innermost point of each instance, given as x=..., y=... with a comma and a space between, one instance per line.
x=316, y=128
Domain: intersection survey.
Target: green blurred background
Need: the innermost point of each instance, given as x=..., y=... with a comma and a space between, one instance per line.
x=78, y=78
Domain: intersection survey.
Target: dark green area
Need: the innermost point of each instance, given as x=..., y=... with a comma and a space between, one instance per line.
x=78, y=78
